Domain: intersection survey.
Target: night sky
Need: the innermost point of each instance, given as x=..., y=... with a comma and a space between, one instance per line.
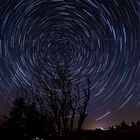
x=99, y=39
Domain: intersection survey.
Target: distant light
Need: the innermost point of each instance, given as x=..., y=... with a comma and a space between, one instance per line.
x=102, y=128
x=38, y=139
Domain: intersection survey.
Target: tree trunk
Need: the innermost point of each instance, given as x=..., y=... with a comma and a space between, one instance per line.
x=81, y=121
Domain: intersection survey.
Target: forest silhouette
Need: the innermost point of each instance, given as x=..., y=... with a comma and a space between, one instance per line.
x=25, y=122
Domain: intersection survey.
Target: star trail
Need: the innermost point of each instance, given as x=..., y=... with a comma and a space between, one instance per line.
x=99, y=39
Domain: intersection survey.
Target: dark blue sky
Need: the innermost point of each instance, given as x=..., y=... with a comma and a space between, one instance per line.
x=99, y=39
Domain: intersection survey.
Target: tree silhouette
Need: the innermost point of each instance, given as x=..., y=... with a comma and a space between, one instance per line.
x=49, y=105
x=133, y=125
x=14, y=123
x=61, y=101
x=82, y=106
x=25, y=121
x=138, y=123
x=123, y=125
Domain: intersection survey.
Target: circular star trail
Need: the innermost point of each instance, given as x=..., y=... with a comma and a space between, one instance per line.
x=95, y=38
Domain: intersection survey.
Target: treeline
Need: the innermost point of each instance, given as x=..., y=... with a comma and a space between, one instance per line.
x=26, y=122
x=124, y=125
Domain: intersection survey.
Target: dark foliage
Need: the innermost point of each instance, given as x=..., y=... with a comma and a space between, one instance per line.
x=25, y=122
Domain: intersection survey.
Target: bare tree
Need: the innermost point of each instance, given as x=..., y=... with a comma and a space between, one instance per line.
x=60, y=100
x=83, y=100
